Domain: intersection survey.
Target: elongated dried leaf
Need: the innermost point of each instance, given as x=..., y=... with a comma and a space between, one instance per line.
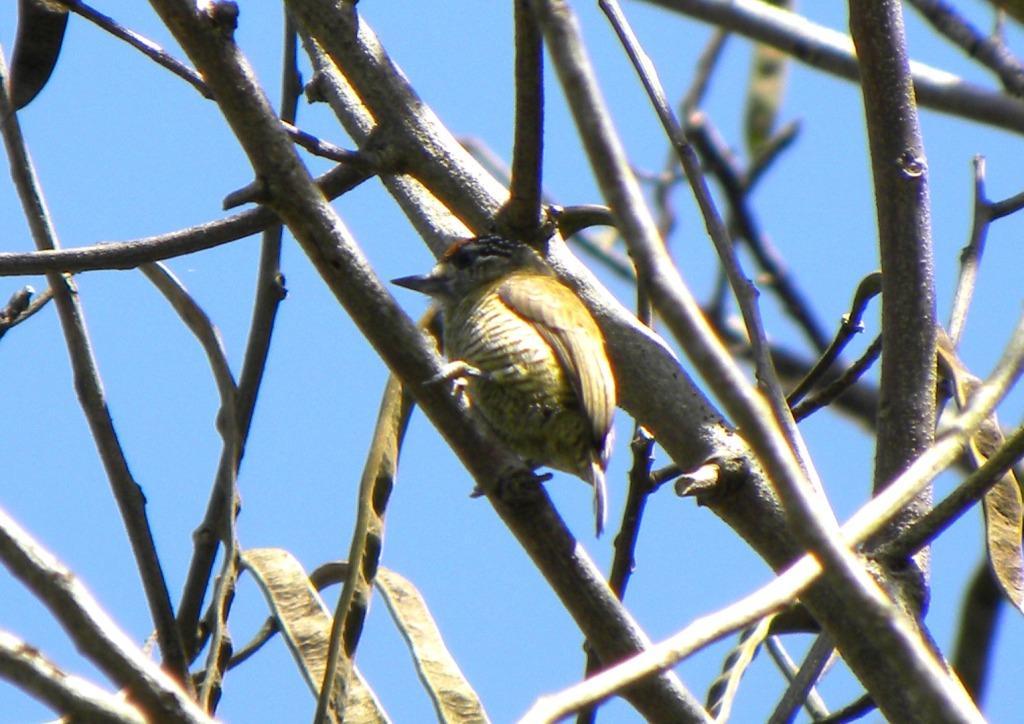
x=40, y=36
x=454, y=699
x=764, y=94
x=1004, y=517
x=306, y=626
x=1003, y=503
x=375, y=487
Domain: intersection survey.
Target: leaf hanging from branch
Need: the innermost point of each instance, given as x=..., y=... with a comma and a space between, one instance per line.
x=765, y=91
x=453, y=697
x=1003, y=504
x=306, y=625
x=40, y=36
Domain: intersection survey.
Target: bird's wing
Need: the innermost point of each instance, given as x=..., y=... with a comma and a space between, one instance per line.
x=574, y=336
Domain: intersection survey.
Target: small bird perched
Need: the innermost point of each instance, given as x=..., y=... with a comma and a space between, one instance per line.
x=529, y=354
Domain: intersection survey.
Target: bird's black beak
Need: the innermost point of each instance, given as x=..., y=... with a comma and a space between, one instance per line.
x=425, y=283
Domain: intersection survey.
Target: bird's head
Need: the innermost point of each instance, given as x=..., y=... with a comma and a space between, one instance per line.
x=472, y=263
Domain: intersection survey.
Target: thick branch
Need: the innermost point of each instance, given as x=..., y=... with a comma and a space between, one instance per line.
x=793, y=581
x=860, y=617
x=205, y=36
x=94, y=634
x=72, y=697
x=906, y=414
x=523, y=213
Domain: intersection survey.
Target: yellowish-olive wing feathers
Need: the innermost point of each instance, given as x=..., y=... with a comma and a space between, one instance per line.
x=566, y=325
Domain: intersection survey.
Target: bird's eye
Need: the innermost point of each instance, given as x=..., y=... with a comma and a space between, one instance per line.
x=461, y=258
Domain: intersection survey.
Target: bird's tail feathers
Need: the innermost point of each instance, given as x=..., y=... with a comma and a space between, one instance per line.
x=600, y=496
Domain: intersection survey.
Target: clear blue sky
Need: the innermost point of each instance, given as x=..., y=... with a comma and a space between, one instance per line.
x=125, y=150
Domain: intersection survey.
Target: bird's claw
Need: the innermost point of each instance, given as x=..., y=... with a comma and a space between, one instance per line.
x=456, y=371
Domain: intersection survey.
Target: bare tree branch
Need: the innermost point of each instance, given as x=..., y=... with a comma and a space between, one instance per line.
x=732, y=179
x=523, y=213
x=130, y=254
x=70, y=696
x=205, y=35
x=794, y=581
x=983, y=605
x=907, y=408
x=91, y=396
x=908, y=660
x=988, y=49
x=869, y=287
x=928, y=527
x=832, y=52
x=94, y=634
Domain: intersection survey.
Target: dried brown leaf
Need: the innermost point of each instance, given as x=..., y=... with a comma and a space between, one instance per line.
x=306, y=625
x=1003, y=504
x=765, y=92
x=40, y=36
x=453, y=697
x=1004, y=517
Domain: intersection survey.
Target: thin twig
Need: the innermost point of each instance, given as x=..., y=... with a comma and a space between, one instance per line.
x=692, y=98
x=572, y=219
x=91, y=395
x=202, y=327
x=640, y=486
x=147, y=47
x=814, y=704
x=22, y=306
x=130, y=254
x=981, y=610
x=199, y=323
x=800, y=689
x=93, y=632
x=624, y=561
x=859, y=401
x=851, y=324
x=270, y=289
x=219, y=653
x=223, y=504
x=828, y=50
x=161, y=57
x=261, y=637
x=770, y=151
x=966, y=495
x=970, y=255
x=985, y=212
x=707, y=61
x=1007, y=206
x=830, y=392
x=227, y=473
x=732, y=178
x=987, y=49
x=523, y=212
